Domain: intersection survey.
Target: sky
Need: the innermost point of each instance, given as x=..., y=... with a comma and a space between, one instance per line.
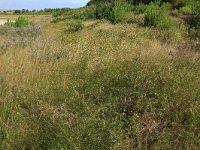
x=40, y=4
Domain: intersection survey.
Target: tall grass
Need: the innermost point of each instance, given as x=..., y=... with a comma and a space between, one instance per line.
x=107, y=87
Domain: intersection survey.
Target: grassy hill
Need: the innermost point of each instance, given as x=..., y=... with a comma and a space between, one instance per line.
x=75, y=81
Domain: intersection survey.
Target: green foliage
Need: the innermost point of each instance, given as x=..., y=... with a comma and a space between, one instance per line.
x=195, y=21
x=115, y=12
x=186, y=10
x=106, y=88
x=177, y=3
x=119, y=12
x=3, y=136
x=193, y=4
x=90, y=12
x=19, y=22
x=155, y=16
x=166, y=23
x=166, y=6
x=194, y=25
x=75, y=25
x=103, y=11
x=140, y=8
x=57, y=19
x=98, y=89
x=95, y=136
x=22, y=22
x=176, y=12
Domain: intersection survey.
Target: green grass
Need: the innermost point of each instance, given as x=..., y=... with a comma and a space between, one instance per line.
x=108, y=86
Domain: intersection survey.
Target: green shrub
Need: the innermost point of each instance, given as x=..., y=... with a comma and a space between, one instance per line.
x=78, y=16
x=22, y=22
x=57, y=14
x=195, y=21
x=19, y=22
x=115, y=12
x=103, y=11
x=120, y=12
x=194, y=25
x=140, y=8
x=166, y=23
x=57, y=19
x=193, y=4
x=90, y=12
x=177, y=3
x=75, y=25
x=153, y=15
x=167, y=6
x=185, y=10
x=175, y=12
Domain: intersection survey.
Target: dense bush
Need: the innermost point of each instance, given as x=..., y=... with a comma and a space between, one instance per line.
x=155, y=16
x=19, y=22
x=140, y=8
x=186, y=10
x=75, y=25
x=22, y=22
x=120, y=12
x=103, y=11
x=90, y=12
x=194, y=24
x=176, y=3
x=115, y=12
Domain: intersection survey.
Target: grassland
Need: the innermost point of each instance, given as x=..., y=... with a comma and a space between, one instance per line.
x=122, y=86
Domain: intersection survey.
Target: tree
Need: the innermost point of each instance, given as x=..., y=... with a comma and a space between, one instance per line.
x=17, y=11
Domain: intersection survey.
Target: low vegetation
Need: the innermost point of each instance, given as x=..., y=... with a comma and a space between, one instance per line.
x=19, y=22
x=112, y=75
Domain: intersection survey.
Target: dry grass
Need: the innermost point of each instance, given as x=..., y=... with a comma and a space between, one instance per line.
x=105, y=87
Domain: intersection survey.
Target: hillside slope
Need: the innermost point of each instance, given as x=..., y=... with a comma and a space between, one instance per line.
x=90, y=84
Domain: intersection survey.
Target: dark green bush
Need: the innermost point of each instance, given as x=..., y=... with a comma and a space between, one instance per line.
x=194, y=24
x=115, y=12
x=155, y=16
x=103, y=11
x=195, y=21
x=75, y=25
x=90, y=12
x=177, y=3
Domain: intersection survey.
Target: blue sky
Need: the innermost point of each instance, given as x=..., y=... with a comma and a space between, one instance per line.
x=40, y=4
